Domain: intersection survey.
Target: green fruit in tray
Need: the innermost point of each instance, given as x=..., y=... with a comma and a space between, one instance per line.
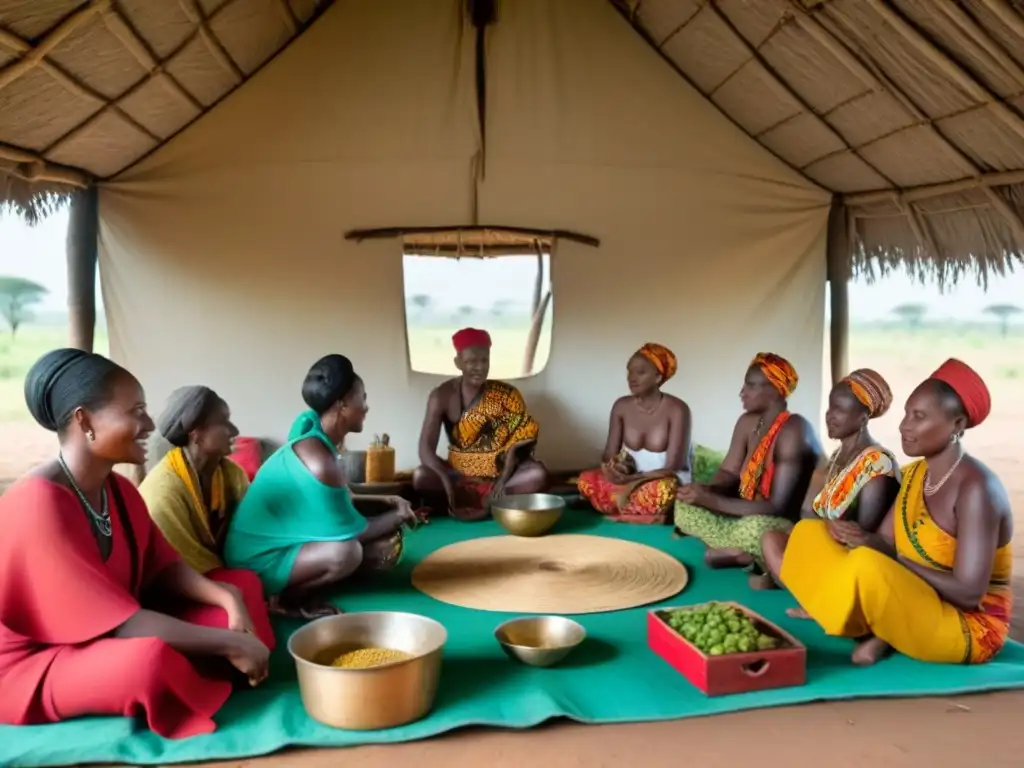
x=718, y=629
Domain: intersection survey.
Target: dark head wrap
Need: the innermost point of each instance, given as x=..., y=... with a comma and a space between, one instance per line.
x=186, y=409
x=329, y=380
x=64, y=380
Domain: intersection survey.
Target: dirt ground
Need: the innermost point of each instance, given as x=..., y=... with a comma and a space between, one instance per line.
x=977, y=730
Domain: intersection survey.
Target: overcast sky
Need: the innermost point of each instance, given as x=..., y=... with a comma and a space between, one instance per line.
x=37, y=253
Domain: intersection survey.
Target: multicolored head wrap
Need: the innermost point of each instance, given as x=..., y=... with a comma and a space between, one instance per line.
x=969, y=387
x=470, y=337
x=871, y=390
x=778, y=370
x=662, y=358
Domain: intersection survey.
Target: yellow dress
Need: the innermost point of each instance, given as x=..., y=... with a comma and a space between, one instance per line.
x=856, y=592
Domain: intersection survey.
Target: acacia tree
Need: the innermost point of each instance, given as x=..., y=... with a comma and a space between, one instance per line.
x=1003, y=313
x=911, y=314
x=17, y=295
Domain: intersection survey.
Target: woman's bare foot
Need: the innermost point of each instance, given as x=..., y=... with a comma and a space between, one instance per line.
x=727, y=558
x=797, y=613
x=870, y=651
x=314, y=609
x=761, y=581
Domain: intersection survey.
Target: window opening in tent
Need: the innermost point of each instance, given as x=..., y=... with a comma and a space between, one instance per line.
x=507, y=294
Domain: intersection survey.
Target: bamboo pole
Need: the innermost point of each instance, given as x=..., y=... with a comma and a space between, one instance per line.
x=31, y=167
x=82, y=252
x=53, y=38
x=930, y=191
x=533, y=339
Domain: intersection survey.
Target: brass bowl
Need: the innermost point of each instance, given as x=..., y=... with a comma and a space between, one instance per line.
x=376, y=697
x=528, y=514
x=540, y=641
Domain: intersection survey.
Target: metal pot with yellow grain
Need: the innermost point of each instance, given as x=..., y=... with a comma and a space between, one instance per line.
x=367, y=671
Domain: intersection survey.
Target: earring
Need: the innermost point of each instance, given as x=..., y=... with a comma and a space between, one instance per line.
x=91, y=435
x=954, y=438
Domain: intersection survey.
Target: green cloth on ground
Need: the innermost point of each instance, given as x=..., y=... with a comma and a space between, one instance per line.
x=723, y=532
x=613, y=678
x=285, y=508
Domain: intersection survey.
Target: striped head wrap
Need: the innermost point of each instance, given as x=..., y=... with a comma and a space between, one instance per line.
x=662, y=358
x=871, y=390
x=778, y=370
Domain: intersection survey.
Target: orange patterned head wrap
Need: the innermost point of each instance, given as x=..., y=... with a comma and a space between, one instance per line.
x=969, y=387
x=662, y=358
x=778, y=370
x=871, y=390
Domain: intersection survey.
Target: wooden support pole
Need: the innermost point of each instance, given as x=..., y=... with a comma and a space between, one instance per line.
x=82, y=252
x=838, y=254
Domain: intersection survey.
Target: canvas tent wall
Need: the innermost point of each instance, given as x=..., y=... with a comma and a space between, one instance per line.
x=223, y=260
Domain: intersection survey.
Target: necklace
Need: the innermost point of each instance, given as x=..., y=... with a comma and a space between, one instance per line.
x=100, y=519
x=649, y=411
x=931, y=490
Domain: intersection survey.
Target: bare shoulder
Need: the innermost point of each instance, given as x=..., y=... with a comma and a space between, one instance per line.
x=443, y=392
x=747, y=422
x=317, y=457
x=621, y=403
x=982, y=485
x=677, y=406
x=49, y=470
x=799, y=428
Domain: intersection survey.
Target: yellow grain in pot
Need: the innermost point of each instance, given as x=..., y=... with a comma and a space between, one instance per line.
x=364, y=658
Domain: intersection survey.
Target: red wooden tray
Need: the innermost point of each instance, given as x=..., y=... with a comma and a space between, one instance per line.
x=731, y=672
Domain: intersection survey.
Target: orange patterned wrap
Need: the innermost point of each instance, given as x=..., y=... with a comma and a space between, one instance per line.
x=756, y=477
x=649, y=503
x=662, y=358
x=779, y=372
x=494, y=424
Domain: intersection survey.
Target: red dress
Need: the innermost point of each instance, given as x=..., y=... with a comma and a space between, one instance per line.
x=60, y=602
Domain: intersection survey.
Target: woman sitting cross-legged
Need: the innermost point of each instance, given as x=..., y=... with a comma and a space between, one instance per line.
x=862, y=478
x=934, y=582
x=98, y=613
x=297, y=526
x=194, y=490
x=648, y=452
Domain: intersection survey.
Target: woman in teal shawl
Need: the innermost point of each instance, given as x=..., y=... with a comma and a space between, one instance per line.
x=297, y=526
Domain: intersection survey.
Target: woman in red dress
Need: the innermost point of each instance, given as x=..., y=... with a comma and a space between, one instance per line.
x=98, y=615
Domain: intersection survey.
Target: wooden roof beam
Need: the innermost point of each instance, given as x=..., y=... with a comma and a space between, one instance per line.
x=194, y=13
x=51, y=40
x=31, y=167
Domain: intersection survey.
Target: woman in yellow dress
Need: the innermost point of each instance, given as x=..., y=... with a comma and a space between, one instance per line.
x=862, y=478
x=934, y=582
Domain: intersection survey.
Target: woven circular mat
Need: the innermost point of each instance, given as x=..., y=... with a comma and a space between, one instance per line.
x=570, y=574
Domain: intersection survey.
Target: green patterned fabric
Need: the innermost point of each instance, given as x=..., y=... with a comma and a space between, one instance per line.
x=723, y=532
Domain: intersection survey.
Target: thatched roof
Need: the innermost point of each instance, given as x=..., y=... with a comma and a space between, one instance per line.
x=912, y=110
x=88, y=87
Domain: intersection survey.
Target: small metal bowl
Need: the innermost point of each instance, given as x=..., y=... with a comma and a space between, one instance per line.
x=528, y=514
x=540, y=641
x=375, y=697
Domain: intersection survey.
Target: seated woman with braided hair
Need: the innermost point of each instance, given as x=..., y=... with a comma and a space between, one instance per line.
x=933, y=582
x=297, y=526
x=194, y=490
x=98, y=613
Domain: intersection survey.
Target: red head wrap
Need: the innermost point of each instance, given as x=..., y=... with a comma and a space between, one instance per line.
x=968, y=386
x=470, y=337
